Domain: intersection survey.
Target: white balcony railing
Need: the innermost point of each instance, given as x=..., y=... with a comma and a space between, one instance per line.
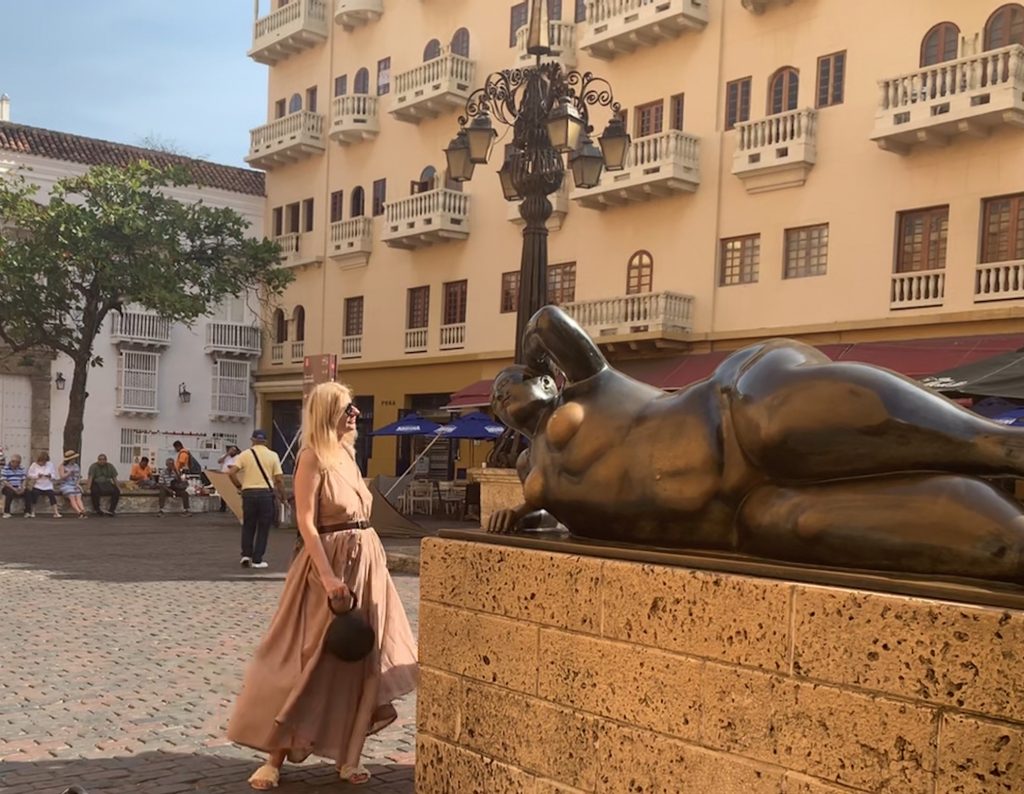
x=999, y=281
x=352, y=241
x=561, y=38
x=298, y=352
x=286, y=140
x=295, y=26
x=293, y=253
x=277, y=353
x=230, y=390
x=648, y=312
x=656, y=165
x=137, y=382
x=416, y=340
x=352, y=346
x=614, y=27
x=916, y=290
x=426, y=218
x=967, y=95
x=140, y=328
x=777, y=151
x=232, y=338
x=354, y=118
x=432, y=88
x=453, y=336
x=353, y=13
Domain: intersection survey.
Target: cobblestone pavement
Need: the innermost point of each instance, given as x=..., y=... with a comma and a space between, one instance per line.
x=123, y=644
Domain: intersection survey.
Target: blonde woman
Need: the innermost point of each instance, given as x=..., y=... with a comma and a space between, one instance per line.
x=298, y=700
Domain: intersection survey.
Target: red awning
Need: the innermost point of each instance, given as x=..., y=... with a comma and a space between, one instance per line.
x=914, y=358
x=476, y=395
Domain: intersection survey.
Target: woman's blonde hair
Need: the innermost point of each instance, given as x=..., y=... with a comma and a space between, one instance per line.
x=322, y=415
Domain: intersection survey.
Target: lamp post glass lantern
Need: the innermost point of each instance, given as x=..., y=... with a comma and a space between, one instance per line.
x=548, y=111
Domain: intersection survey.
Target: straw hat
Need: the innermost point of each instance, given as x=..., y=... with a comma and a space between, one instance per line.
x=70, y=455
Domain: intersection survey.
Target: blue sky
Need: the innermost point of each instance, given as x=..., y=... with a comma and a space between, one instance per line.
x=122, y=70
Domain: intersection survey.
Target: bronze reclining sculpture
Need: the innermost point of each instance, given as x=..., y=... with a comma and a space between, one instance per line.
x=780, y=454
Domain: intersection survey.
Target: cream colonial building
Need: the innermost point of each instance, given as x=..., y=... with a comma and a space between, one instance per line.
x=137, y=403
x=850, y=174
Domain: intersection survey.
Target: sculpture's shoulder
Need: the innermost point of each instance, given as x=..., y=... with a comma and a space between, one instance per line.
x=565, y=422
x=777, y=352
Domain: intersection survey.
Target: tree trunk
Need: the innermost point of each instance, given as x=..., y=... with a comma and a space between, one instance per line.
x=75, y=422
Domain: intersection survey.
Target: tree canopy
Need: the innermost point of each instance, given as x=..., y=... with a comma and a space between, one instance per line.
x=110, y=239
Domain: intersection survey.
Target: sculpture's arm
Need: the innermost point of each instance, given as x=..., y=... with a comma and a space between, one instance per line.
x=553, y=338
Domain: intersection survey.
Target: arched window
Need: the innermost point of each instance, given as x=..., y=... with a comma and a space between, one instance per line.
x=361, y=84
x=783, y=88
x=941, y=43
x=427, y=181
x=640, y=273
x=358, y=202
x=295, y=103
x=299, y=318
x=1005, y=27
x=432, y=50
x=280, y=327
x=460, y=42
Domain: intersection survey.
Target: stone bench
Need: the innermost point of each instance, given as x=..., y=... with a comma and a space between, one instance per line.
x=145, y=500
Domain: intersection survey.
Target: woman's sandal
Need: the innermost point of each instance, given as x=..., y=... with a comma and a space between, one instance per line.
x=356, y=775
x=265, y=778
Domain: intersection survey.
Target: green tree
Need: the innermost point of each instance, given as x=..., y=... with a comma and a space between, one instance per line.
x=110, y=239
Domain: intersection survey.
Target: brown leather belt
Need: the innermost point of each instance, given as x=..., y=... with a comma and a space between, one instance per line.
x=361, y=524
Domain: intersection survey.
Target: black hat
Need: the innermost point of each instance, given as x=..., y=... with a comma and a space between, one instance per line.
x=349, y=637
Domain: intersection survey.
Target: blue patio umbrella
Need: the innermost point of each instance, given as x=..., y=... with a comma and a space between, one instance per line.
x=1012, y=417
x=477, y=426
x=409, y=425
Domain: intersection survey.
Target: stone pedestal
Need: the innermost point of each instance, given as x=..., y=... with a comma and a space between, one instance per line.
x=545, y=672
x=499, y=489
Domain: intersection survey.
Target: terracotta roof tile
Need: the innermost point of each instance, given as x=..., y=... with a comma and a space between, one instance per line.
x=92, y=151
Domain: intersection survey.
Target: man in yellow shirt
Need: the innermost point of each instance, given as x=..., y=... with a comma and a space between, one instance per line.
x=257, y=473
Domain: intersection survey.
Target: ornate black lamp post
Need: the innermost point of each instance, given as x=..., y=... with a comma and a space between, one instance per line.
x=548, y=111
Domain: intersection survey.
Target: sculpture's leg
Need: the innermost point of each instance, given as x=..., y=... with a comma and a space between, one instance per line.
x=810, y=422
x=928, y=524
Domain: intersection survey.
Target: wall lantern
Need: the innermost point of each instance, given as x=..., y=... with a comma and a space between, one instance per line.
x=184, y=394
x=60, y=381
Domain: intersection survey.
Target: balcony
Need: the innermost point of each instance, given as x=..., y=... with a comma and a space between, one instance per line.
x=233, y=338
x=286, y=140
x=647, y=319
x=432, y=88
x=298, y=351
x=140, y=329
x=776, y=152
x=453, y=337
x=354, y=118
x=656, y=165
x=296, y=26
x=614, y=27
x=351, y=242
x=426, y=218
x=352, y=346
x=999, y=281
x=277, y=353
x=917, y=290
x=967, y=96
x=561, y=37
x=351, y=14
x=559, y=207
x=760, y=6
x=297, y=252
x=416, y=340
x=230, y=407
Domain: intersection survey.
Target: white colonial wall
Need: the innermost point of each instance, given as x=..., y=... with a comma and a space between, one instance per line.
x=182, y=359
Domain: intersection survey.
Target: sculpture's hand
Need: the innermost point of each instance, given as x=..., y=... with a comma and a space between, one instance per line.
x=503, y=522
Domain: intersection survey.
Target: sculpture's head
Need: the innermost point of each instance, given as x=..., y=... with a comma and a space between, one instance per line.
x=521, y=397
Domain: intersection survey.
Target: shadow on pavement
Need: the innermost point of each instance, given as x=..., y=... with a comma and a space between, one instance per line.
x=177, y=773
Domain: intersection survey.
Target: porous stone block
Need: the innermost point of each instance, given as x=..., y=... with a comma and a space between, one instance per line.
x=536, y=736
x=967, y=657
x=632, y=684
x=734, y=618
x=438, y=704
x=443, y=768
x=541, y=786
x=536, y=586
x=980, y=756
x=795, y=783
x=483, y=647
x=633, y=760
x=499, y=489
x=852, y=738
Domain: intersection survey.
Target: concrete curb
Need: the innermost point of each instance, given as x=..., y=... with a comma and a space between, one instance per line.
x=403, y=563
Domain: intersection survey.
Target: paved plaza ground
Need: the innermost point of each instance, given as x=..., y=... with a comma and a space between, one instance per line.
x=124, y=641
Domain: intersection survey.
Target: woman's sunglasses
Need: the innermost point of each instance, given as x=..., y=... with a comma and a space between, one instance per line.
x=351, y=410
